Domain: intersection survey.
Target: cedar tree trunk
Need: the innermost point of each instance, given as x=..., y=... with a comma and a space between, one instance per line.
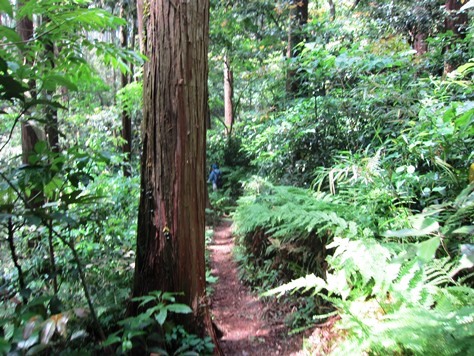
x=171, y=221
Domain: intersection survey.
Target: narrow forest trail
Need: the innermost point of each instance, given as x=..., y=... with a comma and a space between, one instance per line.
x=238, y=313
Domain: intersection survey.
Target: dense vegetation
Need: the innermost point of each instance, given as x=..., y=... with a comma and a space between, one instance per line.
x=350, y=188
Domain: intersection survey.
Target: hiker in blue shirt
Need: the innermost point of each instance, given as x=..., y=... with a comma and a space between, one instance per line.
x=215, y=177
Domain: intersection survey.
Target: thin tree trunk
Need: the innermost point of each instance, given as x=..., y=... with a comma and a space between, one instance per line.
x=29, y=131
x=332, y=10
x=52, y=260
x=228, y=96
x=11, y=244
x=126, y=118
x=52, y=125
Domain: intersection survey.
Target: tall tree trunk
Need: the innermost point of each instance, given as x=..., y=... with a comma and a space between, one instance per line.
x=52, y=125
x=457, y=23
x=228, y=96
x=141, y=29
x=30, y=133
x=418, y=33
x=126, y=118
x=298, y=18
x=170, y=241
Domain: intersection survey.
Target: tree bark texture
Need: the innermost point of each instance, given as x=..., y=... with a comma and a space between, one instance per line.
x=457, y=23
x=29, y=131
x=298, y=18
x=126, y=117
x=171, y=221
x=228, y=96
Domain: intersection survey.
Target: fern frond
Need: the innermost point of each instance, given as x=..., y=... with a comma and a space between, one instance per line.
x=308, y=282
x=439, y=272
x=365, y=259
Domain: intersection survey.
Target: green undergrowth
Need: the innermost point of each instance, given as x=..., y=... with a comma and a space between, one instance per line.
x=398, y=284
x=282, y=231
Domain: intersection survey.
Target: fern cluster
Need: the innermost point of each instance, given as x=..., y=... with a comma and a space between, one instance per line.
x=405, y=291
x=286, y=229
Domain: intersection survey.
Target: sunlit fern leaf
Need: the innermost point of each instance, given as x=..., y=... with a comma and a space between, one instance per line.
x=307, y=283
x=439, y=272
x=365, y=258
x=452, y=298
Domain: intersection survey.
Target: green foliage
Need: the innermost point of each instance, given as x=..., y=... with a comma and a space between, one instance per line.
x=69, y=219
x=283, y=231
x=41, y=326
x=153, y=331
x=383, y=291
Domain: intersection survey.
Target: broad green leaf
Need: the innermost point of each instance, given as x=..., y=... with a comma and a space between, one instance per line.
x=465, y=230
x=465, y=119
x=53, y=81
x=169, y=296
x=421, y=226
x=144, y=300
x=4, y=346
x=422, y=222
x=412, y=232
x=37, y=349
x=53, y=186
x=11, y=88
x=54, y=104
x=112, y=339
x=7, y=35
x=426, y=250
x=179, y=308
x=6, y=7
x=161, y=316
x=41, y=147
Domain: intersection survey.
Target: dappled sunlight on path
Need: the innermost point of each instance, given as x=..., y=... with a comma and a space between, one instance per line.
x=237, y=312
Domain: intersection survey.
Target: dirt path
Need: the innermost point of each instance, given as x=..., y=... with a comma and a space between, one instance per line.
x=238, y=313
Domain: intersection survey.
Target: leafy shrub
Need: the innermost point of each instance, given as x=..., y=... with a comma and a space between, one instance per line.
x=152, y=331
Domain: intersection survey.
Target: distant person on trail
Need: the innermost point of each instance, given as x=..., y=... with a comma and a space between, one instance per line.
x=215, y=177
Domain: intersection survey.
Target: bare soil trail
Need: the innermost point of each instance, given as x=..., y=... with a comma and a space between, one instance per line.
x=246, y=324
